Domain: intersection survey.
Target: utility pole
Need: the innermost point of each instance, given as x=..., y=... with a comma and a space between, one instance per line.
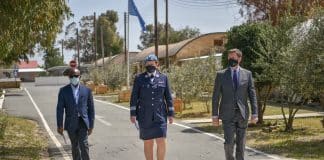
x=155, y=29
x=95, y=38
x=127, y=81
x=102, y=48
x=167, y=34
x=78, y=48
x=125, y=36
x=126, y=47
x=62, y=50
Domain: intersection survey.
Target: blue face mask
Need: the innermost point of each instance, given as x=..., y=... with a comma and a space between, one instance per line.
x=74, y=81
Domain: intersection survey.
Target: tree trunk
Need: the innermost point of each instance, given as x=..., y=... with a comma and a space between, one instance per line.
x=262, y=100
x=184, y=105
x=289, y=126
x=284, y=116
x=207, y=106
x=260, y=114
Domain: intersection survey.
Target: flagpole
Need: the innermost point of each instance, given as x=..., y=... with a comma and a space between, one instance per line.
x=127, y=51
x=167, y=34
x=125, y=37
x=155, y=30
x=95, y=38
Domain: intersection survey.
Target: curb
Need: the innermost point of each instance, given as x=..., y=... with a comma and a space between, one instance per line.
x=2, y=98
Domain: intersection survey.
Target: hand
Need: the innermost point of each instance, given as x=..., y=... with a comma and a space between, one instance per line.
x=133, y=119
x=254, y=119
x=60, y=130
x=90, y=131
x=216, y=122
x=170, y=120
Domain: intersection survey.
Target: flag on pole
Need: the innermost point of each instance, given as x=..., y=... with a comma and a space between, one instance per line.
x=132, y=10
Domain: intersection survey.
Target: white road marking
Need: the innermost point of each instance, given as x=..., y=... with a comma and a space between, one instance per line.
x=197, y=130
x=101, y=119
x=49, y=131
x=113, y=104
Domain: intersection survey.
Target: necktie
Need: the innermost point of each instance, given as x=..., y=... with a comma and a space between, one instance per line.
x=235, y=82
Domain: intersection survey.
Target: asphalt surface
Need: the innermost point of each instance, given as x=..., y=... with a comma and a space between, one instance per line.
x=114, y=137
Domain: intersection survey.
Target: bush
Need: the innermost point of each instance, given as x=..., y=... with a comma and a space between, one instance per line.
x=96, y=76
x=114, y=76
x=193, y=78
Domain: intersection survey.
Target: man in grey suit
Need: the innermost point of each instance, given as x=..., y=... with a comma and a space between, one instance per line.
x=233, y=87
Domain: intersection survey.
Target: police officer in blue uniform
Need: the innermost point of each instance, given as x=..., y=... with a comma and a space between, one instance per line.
x=151, y=105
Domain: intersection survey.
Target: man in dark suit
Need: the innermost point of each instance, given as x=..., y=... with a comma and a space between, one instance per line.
x=77, y=102
x=233, y=87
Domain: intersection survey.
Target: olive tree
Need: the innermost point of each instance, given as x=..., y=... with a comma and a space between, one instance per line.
x=194, y=80
x=114, y=76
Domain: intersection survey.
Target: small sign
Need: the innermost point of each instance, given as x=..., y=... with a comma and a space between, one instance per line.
x=15, y=73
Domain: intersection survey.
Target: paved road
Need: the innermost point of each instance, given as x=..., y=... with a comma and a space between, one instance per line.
x=114, y=138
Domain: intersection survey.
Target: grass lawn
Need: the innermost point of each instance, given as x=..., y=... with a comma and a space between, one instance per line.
x=198, y=110
x=275, y=109
x=306, y=142
x=22, y=139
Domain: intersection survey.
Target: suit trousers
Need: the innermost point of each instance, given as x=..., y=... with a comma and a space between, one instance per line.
x=236, y=126
x=79, y=142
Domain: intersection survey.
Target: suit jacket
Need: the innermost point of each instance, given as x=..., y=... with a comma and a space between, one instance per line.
x=226, y=98
x=66, y=104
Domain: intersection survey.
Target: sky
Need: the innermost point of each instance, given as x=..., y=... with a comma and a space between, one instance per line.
x=206, y=19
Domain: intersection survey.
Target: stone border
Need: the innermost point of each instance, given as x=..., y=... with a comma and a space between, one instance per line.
x=2, y=98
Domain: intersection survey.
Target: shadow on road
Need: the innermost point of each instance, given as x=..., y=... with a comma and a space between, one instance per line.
x=189, y=131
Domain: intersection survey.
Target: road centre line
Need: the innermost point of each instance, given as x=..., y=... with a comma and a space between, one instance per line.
x=101, y=119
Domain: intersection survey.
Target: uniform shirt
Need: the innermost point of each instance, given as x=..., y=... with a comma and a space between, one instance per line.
x=152, y=74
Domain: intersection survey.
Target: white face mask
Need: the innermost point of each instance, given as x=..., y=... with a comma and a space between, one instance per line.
x=75, y=81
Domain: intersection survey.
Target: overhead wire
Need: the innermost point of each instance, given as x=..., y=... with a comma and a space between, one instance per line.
x=215, y=2
x=204, y=3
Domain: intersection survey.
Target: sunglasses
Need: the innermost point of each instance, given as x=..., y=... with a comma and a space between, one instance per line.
x=75, y=76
